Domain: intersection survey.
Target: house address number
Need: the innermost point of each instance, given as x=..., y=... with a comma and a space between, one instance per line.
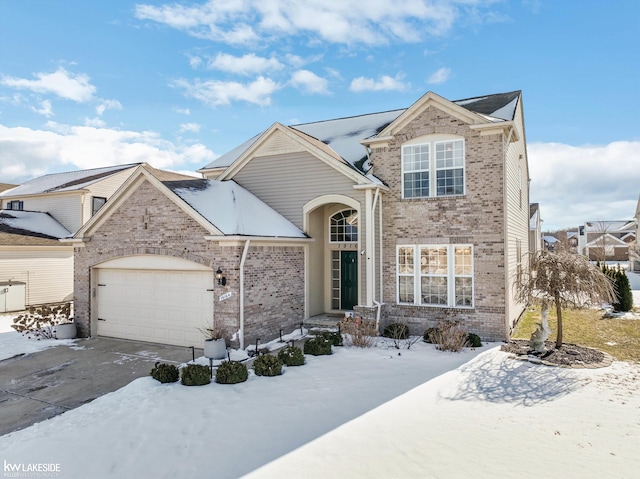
x=225, y=296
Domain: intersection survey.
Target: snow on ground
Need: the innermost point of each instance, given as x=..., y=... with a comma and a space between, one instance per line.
x=13, y=343
x=360, y=413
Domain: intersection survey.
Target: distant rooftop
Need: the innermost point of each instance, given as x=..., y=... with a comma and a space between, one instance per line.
x=66, y=181
x=344, y=135
x=32, y=224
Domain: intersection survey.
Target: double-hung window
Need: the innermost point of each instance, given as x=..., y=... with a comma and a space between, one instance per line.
x=433, y=169
x=435, y=275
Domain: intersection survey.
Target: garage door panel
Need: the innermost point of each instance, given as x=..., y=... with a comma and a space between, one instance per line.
x=155, y=305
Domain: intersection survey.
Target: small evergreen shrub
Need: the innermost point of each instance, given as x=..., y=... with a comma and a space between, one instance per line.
x=165, y=373
x=473, y=340
x=622, y=287
x=231, y=372
x=196, y=375
x=396, y=331
x=428, y=333
x=291, y=356
x=334, y=336
x=267, y=365
x=317, y=346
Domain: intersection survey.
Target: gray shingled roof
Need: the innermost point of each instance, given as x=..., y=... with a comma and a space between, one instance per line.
x=344, y=135
x=67, y=181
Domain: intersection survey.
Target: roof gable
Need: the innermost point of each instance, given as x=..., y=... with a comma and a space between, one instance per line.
x=31, y=223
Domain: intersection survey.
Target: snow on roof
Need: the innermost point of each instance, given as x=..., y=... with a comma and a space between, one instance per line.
x=550, y=239
x=67, y=181
x=232, y=209
x=31, y=223
x=609, y=226
x=533, y=221
x=344, y=135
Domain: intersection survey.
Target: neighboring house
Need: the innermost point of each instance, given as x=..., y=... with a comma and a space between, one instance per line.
x=414, y=215
x=607, y=240
x=572, y=241
x=36, y=214
x=550, y=242
x=634, y=248
x=535, y=228
x=6, y=186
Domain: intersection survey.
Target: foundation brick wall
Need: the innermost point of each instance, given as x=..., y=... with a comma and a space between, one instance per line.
x=476, y=218
x=149, y=223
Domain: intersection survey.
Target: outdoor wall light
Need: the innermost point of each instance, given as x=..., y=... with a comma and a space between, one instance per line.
x=221, y=279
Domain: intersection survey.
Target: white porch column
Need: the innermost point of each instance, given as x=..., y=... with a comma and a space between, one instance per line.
x=369, y=249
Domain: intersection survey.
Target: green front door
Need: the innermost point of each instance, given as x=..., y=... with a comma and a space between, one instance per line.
x=348, y=279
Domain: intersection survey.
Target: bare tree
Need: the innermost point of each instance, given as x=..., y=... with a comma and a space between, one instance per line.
x=565, y=279
x=601, y=228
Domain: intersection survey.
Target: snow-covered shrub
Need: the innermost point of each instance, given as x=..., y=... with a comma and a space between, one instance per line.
x=334, y=336
x=38, y=322
x=196, y=375
x=473, y=340
x=165, y=373
x=317, y=346
x=231, y=372
x=449, y=336
x=358, y=332
x=291, y=356
x=267, y=365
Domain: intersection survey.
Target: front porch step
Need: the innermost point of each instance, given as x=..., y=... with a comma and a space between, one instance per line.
x=322, y=322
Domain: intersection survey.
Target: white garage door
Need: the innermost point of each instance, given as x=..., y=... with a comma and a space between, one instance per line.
x=154, y=305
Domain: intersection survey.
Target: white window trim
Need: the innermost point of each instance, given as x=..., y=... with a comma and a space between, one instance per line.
x=451, y=276
x=433, y=182
x=357, y=226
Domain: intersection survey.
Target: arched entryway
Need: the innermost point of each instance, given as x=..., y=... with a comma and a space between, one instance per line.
x=333, y=268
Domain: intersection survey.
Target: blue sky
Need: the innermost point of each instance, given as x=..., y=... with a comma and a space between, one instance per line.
x=176, y=84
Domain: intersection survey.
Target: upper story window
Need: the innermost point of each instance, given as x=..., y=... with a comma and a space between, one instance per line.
x=15, y=205
x=344, y=227
x=433, y=169
x=97, y=202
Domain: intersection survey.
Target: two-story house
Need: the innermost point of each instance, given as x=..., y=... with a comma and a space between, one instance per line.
x=418, y=214
x=606, y=240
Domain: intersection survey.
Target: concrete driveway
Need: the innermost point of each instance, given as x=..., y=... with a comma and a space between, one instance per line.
x=38, y=386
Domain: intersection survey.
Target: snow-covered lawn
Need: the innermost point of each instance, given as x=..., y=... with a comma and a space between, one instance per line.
x=359, y=413
x=13, y=343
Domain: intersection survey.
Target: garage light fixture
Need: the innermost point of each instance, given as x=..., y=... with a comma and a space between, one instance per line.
x=221, y=279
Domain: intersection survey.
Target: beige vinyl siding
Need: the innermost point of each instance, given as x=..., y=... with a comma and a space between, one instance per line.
x=305, y=178
x=48, y=271
x=66, y=208
x=517, y=213
x=104, y=188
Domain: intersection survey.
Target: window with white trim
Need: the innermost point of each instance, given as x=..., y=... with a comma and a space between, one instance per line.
x=432, y=175
x=97, y=202
x=344, y=227
x=443, y=276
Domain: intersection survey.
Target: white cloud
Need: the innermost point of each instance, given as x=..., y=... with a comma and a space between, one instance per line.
x=440, y=76
x=348, y=21
x=215, y=93
x=45, y=108
x=182, y=111
x=195, y=62
x=192, y=127
x=108, y=105
x=385, y=83
x=309, y=82
x=96, y=122
x=245, y=65
x=26, y=153
x=61, y=83
x=574, y=184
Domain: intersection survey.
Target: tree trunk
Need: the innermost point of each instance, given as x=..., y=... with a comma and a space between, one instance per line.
x=559, y=314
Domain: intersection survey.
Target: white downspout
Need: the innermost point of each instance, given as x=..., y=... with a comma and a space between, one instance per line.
x=373, y=297
x=242, y=261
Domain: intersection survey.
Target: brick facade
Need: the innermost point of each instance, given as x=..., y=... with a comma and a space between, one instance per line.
x=149, y=223
x=475, y=218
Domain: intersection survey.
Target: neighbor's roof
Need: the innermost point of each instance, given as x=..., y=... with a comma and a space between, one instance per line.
x=609, y=226
x=344, y=135
x=232, y=209
x=67, y=181
x=6, y=186
x=30, y=224
x=550, y=239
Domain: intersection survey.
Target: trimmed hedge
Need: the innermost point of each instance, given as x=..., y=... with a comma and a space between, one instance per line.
x=473, y=340
x=317, y=346
x=232, y=372
x=165, y=373
x=196, y=375
x=291, y=356
x=267, y=365
x=334, y=336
